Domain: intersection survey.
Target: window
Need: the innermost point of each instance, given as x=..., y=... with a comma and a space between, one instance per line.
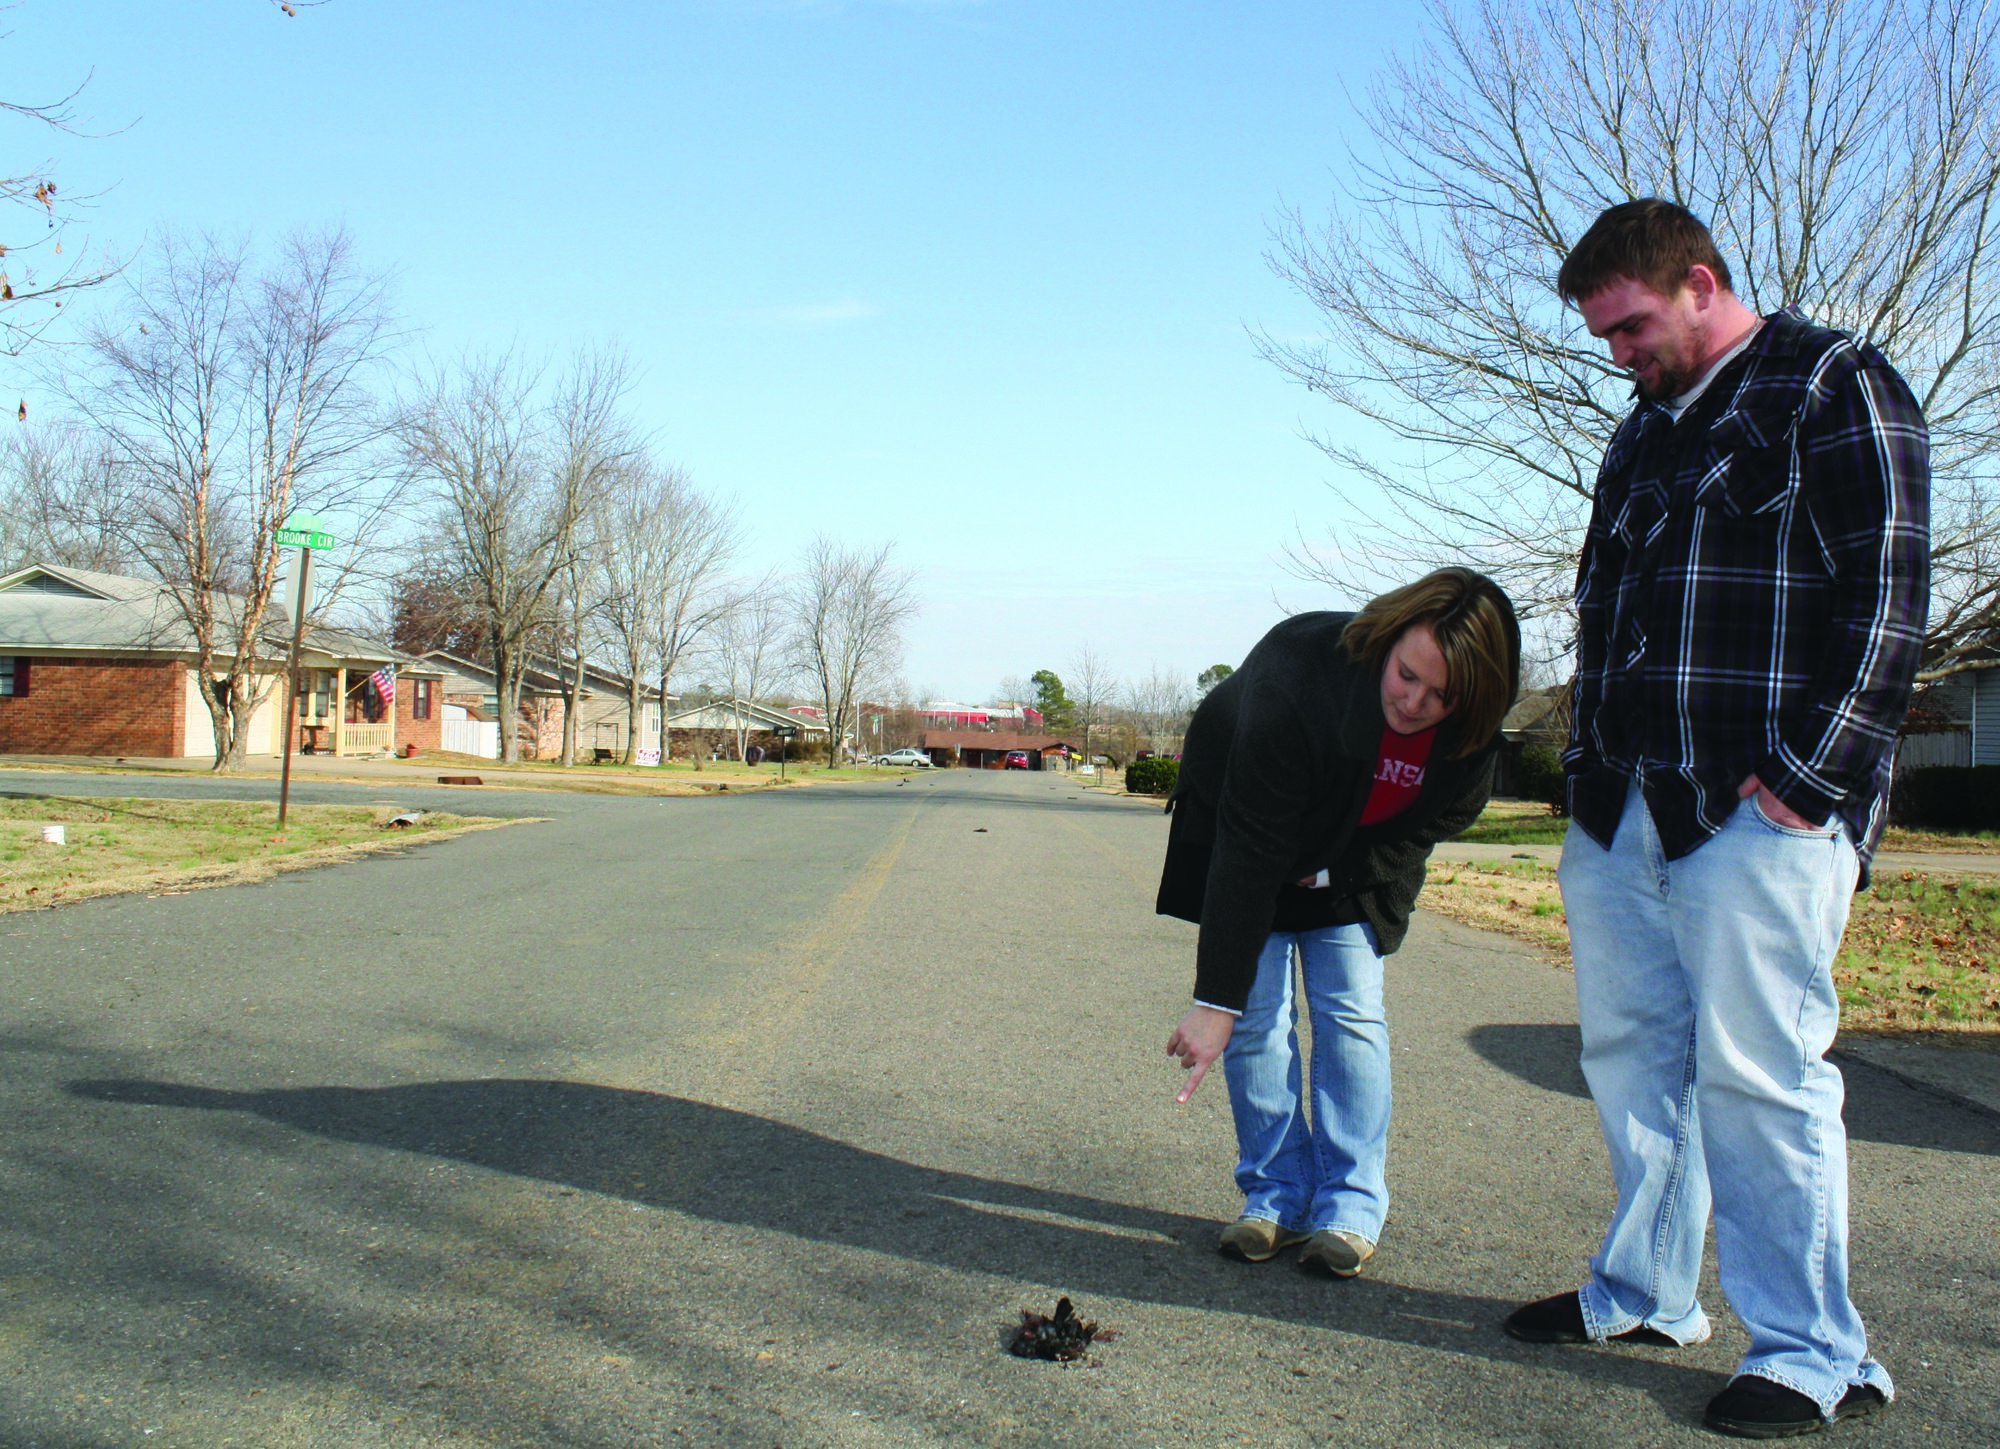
x=13, y=676
x=315, y=695
x=420, y=698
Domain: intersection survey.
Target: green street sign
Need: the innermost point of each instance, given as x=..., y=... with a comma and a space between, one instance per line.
x=304, y=538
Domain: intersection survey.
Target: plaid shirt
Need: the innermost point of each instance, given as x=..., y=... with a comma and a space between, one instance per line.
x=1752, y=593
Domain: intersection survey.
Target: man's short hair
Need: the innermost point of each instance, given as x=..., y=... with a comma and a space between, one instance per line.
x=1651, y=241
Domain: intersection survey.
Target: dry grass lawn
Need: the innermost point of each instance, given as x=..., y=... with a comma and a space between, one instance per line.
x=1922, y=951
x=119, y=846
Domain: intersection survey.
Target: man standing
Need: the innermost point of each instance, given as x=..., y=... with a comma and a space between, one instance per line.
x=1750, y=604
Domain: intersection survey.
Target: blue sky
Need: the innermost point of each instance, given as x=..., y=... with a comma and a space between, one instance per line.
x=972, y=277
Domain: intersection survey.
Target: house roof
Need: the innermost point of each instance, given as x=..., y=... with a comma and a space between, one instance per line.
x=538, y=676
x=1538, y=714
x=729, y=714
x=464, y=675
x=596, y=678
x=46, y=607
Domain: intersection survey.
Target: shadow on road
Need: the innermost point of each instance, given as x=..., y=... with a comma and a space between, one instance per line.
x=732, y=1167
x=1880, y=1108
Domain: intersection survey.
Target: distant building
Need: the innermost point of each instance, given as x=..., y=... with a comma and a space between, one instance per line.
x=1015, y=718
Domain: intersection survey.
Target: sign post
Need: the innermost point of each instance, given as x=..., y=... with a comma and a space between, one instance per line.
x=303, y=533
x=784, y=732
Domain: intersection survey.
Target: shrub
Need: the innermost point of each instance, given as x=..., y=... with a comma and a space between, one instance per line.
x=1947, y=797
x=1538, y=774
x=1155, y=776
x=800, y=750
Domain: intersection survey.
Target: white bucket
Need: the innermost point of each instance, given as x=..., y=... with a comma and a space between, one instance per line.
x=52, y=835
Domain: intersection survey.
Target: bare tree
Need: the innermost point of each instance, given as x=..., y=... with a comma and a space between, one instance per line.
x=1092, y=687
x=52, y=501
x=35, y=270
x=625, y=566
x=848, y=612
x=576, y=604
x=699, y=537
x=42, y=267
x=226, y=399
x=1160, y=703
x=595, y=447
x=1846, y=154
x=512, y=479
x=747, y=645
x=665, y=545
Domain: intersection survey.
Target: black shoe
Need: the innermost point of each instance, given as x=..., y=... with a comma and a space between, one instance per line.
x=1756, y=1408
x=1560, y=1320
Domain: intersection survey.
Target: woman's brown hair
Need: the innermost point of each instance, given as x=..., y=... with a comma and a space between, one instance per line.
x=1473, y=621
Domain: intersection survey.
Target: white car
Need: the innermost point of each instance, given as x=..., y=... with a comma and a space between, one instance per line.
x=906, y=757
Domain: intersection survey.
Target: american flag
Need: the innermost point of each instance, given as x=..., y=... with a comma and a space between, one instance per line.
x=384, y=680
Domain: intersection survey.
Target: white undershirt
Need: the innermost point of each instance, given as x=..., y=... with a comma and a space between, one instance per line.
x=1676, y=406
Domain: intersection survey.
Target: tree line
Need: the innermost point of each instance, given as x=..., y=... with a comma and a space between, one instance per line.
x=511, y=508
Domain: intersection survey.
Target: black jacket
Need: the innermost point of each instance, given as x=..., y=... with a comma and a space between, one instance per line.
x=1277, y=766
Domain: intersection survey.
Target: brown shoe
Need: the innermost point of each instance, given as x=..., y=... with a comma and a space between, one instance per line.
x=1256, y=1240
x=1336, y=1253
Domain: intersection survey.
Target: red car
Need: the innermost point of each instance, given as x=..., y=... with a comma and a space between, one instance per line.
x=1016, y=760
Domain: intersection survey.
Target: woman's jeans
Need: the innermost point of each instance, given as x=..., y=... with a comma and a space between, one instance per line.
x=1705, y=993
x=1330, y=1174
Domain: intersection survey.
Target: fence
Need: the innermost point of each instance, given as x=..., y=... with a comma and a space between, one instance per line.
x=479, y=737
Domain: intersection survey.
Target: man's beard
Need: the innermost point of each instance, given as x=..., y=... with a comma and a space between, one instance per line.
x=1670, y=379
x=1671, y=385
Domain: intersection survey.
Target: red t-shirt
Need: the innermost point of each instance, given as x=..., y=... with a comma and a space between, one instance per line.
x=1399, y=774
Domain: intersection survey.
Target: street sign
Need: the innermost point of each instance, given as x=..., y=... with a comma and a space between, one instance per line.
x=304, y=530
x=785, y=732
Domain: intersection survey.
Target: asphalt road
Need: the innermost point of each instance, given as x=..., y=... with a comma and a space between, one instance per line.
x=757, y=1120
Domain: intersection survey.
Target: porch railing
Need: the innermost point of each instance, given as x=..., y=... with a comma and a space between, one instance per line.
x=365, y=739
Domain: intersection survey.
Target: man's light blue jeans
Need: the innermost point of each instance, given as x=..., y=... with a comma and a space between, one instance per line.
x=1330, y=1173
x=1704, y=987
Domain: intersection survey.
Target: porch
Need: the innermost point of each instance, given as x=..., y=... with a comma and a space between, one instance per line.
x=364, y=724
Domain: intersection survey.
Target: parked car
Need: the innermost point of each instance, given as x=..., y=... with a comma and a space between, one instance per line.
x=908, y=758
x=1016, y=760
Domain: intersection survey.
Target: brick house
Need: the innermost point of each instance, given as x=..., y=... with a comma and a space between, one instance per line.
x=99, y=664
x=988, y=749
